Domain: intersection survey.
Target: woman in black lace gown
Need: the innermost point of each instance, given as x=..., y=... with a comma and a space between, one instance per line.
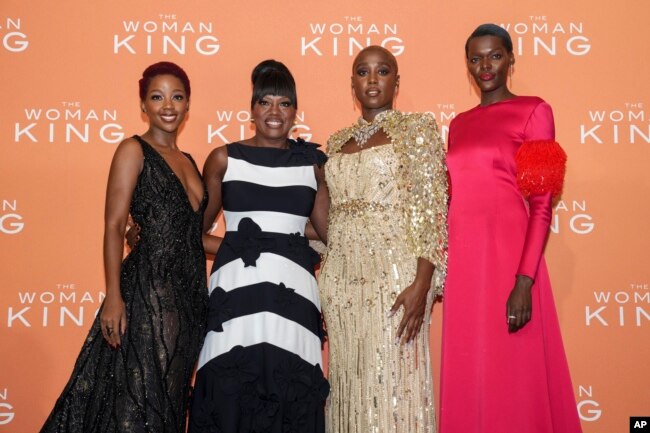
x=134, y=370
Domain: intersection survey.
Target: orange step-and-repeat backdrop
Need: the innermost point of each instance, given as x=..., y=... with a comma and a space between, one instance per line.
x=69, y=95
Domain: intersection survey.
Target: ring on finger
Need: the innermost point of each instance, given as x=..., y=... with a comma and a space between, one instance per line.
x=109, y=331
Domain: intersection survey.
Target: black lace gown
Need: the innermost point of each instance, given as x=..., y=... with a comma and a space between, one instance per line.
x=143, y=386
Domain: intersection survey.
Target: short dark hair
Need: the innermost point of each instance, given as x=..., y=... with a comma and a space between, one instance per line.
x=390, y=55
x=271, y=77
x=163, y=68
x=490, y=30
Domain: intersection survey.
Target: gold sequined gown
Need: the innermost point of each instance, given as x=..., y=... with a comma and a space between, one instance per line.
x=376, y=384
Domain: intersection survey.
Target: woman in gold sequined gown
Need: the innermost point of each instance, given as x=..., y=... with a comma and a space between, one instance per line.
x=386, y=258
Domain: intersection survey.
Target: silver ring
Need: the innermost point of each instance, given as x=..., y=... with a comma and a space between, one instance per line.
x=512, y=317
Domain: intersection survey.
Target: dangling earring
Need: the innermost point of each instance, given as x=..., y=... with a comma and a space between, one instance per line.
x=354, y=99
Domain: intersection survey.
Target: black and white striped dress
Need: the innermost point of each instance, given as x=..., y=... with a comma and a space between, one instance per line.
x=260, y=367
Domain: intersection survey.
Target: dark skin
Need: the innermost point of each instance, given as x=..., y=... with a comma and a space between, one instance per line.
x=274, y=117
x=375, y=82
x=488, y=62
x=165, y=105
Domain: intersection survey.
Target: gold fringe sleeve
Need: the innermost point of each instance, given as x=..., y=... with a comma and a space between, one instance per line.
x=423, y=181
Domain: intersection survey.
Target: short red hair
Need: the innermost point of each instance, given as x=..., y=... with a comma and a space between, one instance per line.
x=163, y=68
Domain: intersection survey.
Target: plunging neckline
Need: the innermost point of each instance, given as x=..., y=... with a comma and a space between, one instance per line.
x=178, y=179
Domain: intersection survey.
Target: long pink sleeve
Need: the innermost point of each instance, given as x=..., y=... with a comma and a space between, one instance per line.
x=539, y=222
x=540, y=166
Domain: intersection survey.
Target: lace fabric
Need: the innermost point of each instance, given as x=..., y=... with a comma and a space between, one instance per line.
x=143, y=386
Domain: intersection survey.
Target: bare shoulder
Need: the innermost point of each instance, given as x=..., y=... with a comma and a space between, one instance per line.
x=129, y=147
x=129, y=153
x=216, y=163
x=218, y=155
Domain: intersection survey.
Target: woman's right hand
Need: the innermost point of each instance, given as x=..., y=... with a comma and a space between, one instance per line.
x=520, y=304
x=133, y=235
x=113, y=320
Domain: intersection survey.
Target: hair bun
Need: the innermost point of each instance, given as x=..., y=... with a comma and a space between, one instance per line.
x=271, y=77
x=267, y=66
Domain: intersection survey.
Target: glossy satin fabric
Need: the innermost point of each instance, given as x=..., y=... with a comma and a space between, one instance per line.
x=493, y=381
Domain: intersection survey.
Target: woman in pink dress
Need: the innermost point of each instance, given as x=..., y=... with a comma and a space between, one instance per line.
x=503, y=364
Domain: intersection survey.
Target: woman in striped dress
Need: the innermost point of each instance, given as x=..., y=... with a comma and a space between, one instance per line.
x=260, y=367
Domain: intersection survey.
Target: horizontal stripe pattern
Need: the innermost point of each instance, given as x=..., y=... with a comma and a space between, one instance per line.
x=299, y=156
x=239, y=196
x=269, y=297
x=240, y=170
x=271, y=268
x=263, y=327
x=296, y=249
x=275, y=222
x=274, y=300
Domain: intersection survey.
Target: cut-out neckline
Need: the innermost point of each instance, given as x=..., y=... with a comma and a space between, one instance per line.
x=178, y=179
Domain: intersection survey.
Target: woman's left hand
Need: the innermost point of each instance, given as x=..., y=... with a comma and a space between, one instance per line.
x=414, y=300
x=520, y=304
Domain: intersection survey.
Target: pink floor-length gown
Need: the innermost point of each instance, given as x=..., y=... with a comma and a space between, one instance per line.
x=493, y=381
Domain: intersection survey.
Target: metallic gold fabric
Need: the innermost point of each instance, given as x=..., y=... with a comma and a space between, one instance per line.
x=422, y=176
x=388, y=208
